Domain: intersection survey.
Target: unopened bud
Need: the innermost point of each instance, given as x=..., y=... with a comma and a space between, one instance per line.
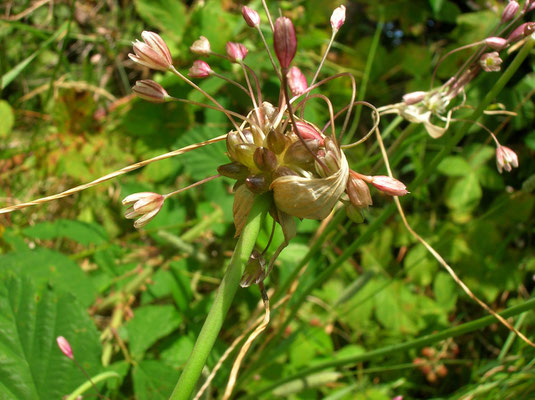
x=389, y=185
x=201, y=46
x=298, y=154
x=233, y=170
x=510, y=11
x=276, y=141
x=506, y=159
x=414, y=97
x=199, y=69
x=149, y=90
x=265, y=159
x=257, y=183
x=496, y=43
x=338, y=18
x=250, y=16
x=152, y=53
x=309, y=132
x=297, y=81
x=284, y=171
x=236, y=51
x=244, y=154
x=521, y=32
x=491, y=62
x=145, y=205
x=64, y=346
x=284, y=41
x=358, y=192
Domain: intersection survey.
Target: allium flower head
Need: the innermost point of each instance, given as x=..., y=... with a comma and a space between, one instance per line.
x=506, y=159
x=145, y=205
x=152, y=53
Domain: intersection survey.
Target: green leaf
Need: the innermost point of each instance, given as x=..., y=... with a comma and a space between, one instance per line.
x=31, y=364
x=7, y=117
x=154, y=380
x=48, y=267
x=465, y=193
x=445, y=290
x=81, y=232
x=167, y=15
x=454, y=166
x=149, y=324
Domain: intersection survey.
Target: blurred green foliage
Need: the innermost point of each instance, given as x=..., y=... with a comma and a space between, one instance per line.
x=133, y=301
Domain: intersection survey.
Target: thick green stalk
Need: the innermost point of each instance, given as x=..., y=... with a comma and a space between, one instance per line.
x=84, y=387
x=214, y=321
x=387, y=350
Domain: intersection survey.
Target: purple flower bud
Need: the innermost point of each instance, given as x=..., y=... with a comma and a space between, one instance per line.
x=388, y=185
x=151, y=91
x=496, y=43
x=250, y=16
x=506, y=159
x=510, y=11
x=413, y=97
x=65, y=347
x=297, y=81
x=201, y=46
x=521, y=32
x=491, y=62
x=200, y=69
x=284, y=41
x=236, y=51
x=152, y=53
x=338, y=18
x=145, y=205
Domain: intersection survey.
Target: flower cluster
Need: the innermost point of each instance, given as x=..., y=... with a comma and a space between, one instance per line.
x=273, y=148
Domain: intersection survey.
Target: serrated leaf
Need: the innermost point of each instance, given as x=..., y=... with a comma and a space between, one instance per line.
x=149, y=324
x=31, y=364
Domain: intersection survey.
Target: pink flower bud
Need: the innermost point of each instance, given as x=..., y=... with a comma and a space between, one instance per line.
x=510, y=11
x=297, y=81
x=496, y=43
x=358, y=192
x=284, y=41
x=151, y=91
x=236, y=51
x=145, y=205
x=506, y=159
x=338, y=18
x=490, y=62
x=250, y=16
x=200, y=69
x=152, y=53
x=388, y=185
x=414, y=97
x=521, y=32
x=65, y=347
x=309, y=132
x=201, y=46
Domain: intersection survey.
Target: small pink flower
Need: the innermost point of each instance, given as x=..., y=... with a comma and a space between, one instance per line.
x=145, y=205
x=250, y=16
x=413, y=97
x=338, y=17
x=200, y=69
x=149, y=90
x=506, y=159
x=491, y=62
x=284, y=41
x=496, y=43
x=510, y=11
x=65, y=347
x=152, y=53
x=236, y=51
x=389, y=185
x=201, y=46
x=297, y=81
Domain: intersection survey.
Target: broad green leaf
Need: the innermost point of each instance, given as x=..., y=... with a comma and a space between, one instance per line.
x=149, y=324
x=31, y=364
x=7, y=117
x=48, y=267
x=81, y=232
x=154, y=380
x=167, y=15
x=445, y=290
x=454, y=166
x=310, y=344
x=465, y=193
x=420, y=266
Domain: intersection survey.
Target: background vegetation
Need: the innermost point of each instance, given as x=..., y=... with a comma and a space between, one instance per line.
x=355, y=325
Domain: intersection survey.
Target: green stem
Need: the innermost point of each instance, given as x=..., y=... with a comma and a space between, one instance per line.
x=214, y=321
x=387, y=350
x=84, y=387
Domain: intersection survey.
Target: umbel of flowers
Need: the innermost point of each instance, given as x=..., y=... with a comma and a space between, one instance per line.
x=272, y=149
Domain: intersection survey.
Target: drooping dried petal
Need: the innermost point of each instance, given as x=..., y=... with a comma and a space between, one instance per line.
x=255, y=270
x=284, y=41
x=506, y=159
